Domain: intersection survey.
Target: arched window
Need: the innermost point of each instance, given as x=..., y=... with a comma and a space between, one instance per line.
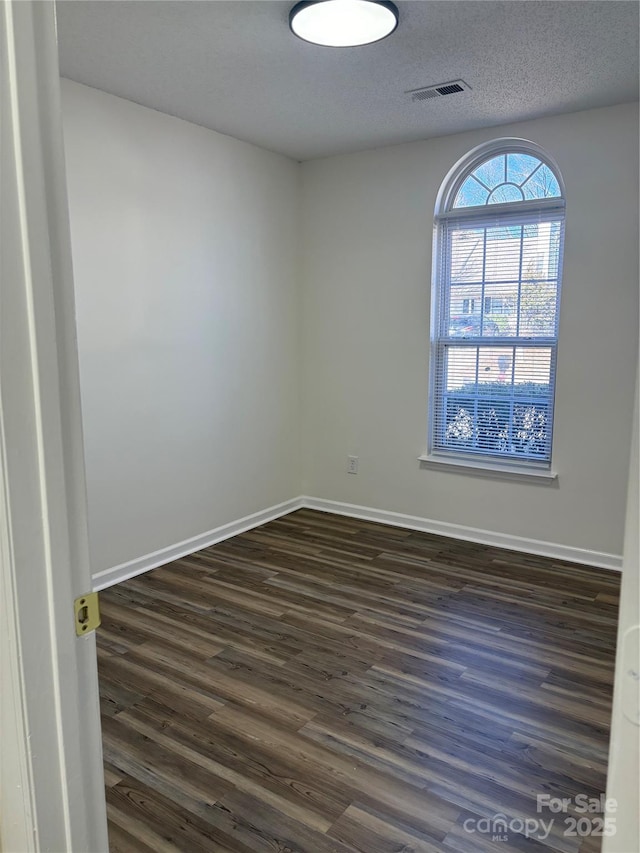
x=497, y=270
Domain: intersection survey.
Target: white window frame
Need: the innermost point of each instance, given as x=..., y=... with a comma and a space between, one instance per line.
x=444, y=211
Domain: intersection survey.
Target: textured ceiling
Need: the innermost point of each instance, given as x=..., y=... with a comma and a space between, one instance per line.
x=236, y=68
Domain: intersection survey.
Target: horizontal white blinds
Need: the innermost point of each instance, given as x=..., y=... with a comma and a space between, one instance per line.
x=496, y=334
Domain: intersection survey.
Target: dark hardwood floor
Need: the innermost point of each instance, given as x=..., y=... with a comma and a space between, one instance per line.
x=327, y=684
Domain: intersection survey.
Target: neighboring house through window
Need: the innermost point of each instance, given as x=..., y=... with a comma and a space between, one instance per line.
x=497, y=273
x=498, y=305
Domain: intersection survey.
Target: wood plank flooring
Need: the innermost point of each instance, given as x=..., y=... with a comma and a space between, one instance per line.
x=326, y=684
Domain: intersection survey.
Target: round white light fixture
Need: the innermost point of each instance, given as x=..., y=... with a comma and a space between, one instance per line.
x=343, y=23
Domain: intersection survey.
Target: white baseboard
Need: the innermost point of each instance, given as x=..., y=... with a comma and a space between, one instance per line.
x=117, y=574
x=124, y=571
x=470, y=534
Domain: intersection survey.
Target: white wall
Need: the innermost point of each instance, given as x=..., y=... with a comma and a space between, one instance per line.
x=367, y=234
x=185, y=270
x=196, y=331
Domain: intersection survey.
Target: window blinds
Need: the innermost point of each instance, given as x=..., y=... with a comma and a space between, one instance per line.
x=496, y=330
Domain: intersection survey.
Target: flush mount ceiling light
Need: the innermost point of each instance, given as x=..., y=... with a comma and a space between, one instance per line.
x=343, y=23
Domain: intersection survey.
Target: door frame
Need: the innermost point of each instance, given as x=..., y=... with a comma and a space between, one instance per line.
x=51, y=776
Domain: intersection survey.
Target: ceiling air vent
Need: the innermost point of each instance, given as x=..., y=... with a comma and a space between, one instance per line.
x=427, y=92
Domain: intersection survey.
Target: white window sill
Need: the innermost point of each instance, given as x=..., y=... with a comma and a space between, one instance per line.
x=489, y=467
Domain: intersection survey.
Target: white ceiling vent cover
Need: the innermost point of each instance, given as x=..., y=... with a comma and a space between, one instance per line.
x=438, y=91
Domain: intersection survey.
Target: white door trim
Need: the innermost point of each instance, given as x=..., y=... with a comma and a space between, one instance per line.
x=52, y=788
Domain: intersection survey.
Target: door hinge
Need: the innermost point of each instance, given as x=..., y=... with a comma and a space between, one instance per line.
x=87, y=612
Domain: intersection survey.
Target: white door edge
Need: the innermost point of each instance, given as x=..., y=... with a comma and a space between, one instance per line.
x=51, y=778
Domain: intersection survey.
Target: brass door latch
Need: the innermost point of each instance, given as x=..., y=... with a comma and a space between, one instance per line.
x=87, y=613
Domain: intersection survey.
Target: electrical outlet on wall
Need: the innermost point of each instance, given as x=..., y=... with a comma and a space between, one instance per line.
x=352, y=464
